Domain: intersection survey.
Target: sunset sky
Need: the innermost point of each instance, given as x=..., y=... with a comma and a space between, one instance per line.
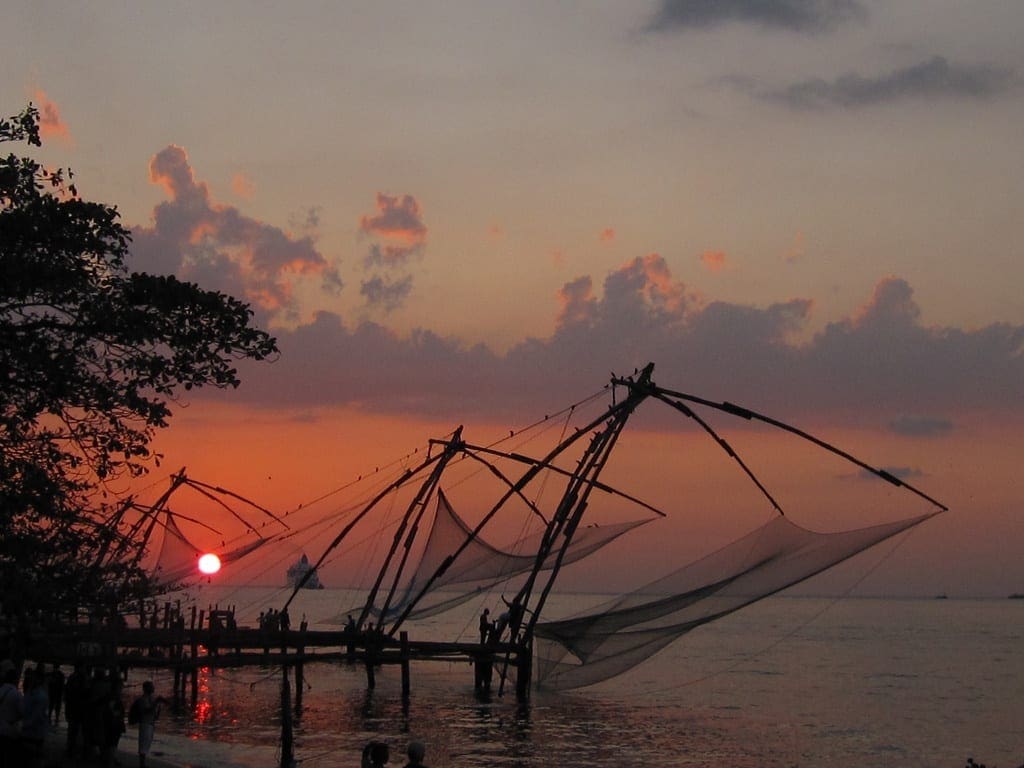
x=468, y=212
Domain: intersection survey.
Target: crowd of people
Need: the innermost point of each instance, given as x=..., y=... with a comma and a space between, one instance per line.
x=491, y=631
x=275, y=620
x=93, y=706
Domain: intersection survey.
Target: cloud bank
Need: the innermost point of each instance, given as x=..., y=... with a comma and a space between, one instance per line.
x=880, y=364
x=875, y=366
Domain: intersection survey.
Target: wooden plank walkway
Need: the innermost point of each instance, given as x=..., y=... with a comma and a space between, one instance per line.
x=185, y=651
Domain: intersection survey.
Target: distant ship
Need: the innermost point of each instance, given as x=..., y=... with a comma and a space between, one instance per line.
x=299, y=569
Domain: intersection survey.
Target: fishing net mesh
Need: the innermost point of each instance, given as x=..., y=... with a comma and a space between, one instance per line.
x=178, y=558
x=623, y=632
x=481, y=565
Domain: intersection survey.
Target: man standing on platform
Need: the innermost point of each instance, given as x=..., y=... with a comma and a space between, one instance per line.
x=485, y=626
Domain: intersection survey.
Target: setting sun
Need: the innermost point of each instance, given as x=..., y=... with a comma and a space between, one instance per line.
x=209, y=564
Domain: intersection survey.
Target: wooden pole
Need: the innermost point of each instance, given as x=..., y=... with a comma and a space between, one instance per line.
x=524, y=671
x=287, y=741
x=370, y=657
x=404, y=640
x=299, y=677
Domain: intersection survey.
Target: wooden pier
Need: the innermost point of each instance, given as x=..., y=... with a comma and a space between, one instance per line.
x=206, y=644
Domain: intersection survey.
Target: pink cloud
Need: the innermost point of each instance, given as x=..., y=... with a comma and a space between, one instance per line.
x=607, y=235
x=401, y=236
x=196, y=238
x=385, y=293
x=577, y=301
x=891, y=303
x=714, y=261
x=243, y=186
x=796, y=251
x=391, y=255
x=51, y=126
x=871, y=367
x=649, y=278
x=397, y=217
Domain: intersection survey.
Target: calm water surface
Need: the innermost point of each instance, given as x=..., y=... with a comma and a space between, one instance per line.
x=787, y=682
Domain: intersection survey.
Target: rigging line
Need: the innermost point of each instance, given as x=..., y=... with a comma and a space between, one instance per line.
x=405, y=477
x=547, y=417
x=545, y=477
x=175, y=516
x=799, y=627
x=199, y=486
x=527, y=477
x=389, y=522
x=418, y=508
x=746, y=413
x=157, y=481
x=459, y=459
x=525, y=527
x=547, y=422
x=686, y=410
x=567, y=473
x=591, y=464
x=400, y=461
x=507, y=481
x=561, y=437
x=338, y=513
x=304, y=535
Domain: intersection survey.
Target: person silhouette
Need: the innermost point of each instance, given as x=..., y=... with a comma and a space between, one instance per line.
x=375, y=755
x=416, y=752
x=485, y=625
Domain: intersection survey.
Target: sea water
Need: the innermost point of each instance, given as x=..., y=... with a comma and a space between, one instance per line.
x=787, y=682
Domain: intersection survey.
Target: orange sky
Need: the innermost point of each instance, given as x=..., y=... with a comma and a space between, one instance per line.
x=286, y=463
x=475, y=216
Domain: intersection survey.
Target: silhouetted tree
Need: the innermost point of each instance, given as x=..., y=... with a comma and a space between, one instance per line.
x=91, y=354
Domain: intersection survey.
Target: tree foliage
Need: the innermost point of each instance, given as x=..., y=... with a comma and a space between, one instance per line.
x=92, y=356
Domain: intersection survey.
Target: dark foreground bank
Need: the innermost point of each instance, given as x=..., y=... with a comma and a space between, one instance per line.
x=125, y=757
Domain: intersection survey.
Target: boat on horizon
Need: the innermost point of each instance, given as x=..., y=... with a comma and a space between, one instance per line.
x=297, y=572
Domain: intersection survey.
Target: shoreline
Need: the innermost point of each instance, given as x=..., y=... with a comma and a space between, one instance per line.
x=126, y=756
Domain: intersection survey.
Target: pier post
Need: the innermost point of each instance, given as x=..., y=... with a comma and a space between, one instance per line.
x=370, y=657
x=287, y=741
x=179, y=668
x=300, y=651
x=404, y=651
x=524, y=671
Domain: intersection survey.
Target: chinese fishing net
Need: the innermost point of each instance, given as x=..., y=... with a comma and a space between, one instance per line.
x=623, y=632
x=482, y=565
